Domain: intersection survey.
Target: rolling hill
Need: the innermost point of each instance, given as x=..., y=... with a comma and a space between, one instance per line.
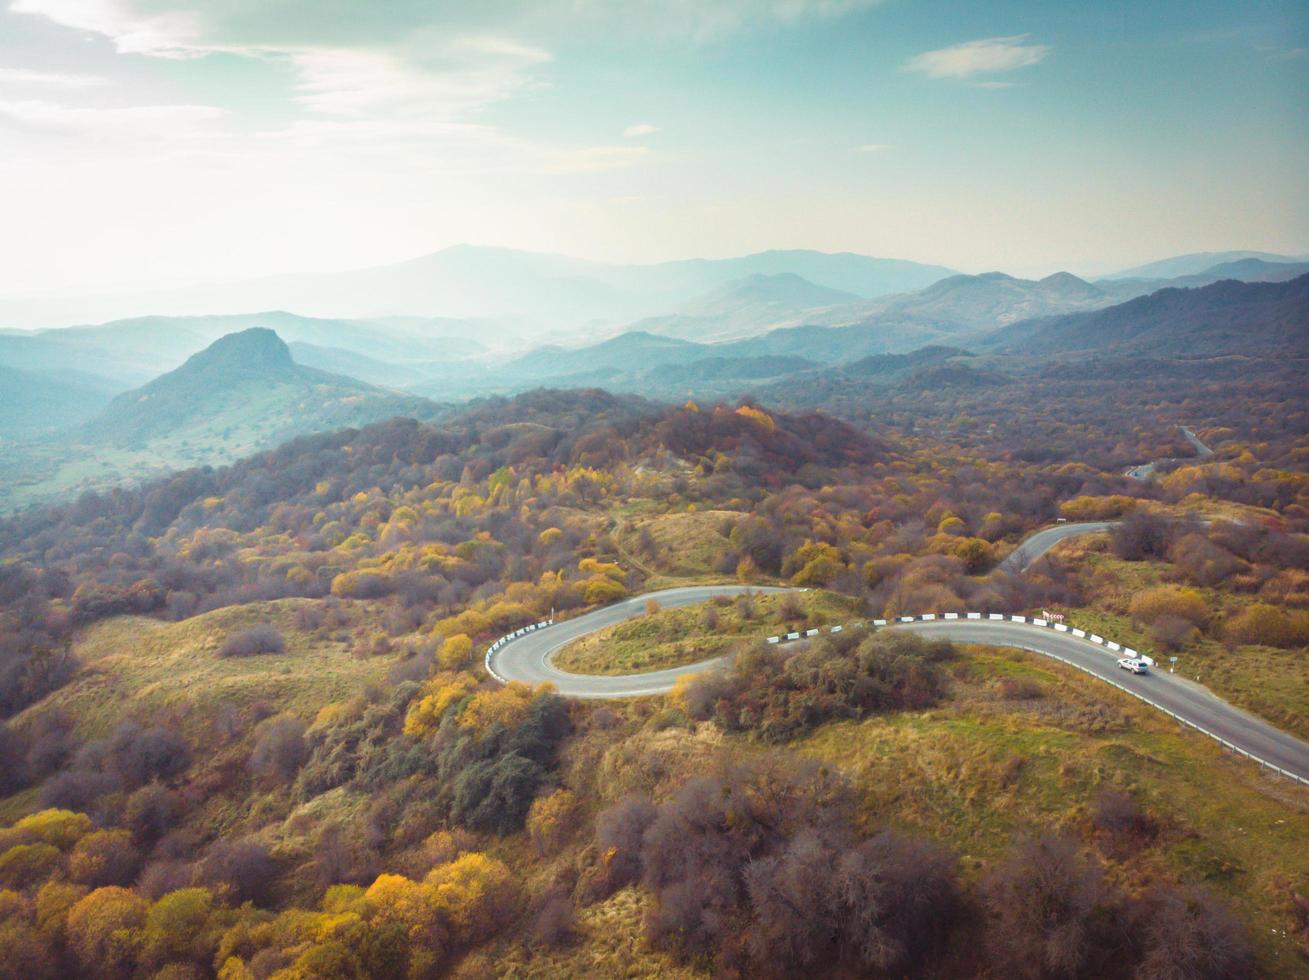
x=242, y=394
x=748, y=306
x=130, y=352
x=1227, y=317
x=32, y=404
x=244, y=387
x=968, y=304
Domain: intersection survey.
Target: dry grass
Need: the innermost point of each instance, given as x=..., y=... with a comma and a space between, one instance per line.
x=979, y=770
x=689, y=543
x=144, y=668
x=609, y=943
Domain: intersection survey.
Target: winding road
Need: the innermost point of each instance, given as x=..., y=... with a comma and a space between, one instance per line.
x=529, y=657
x=1146, y=470
x=1032, y=548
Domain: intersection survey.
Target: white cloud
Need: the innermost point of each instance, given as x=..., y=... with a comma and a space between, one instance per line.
x=167, y=34
x=48, y=79
x=640, y=129
x=456, y=81
x=593, y=159
x=981, y=57
x=872, y=147
x=129, y=122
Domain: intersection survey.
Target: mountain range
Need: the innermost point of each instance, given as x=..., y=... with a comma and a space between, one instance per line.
x=753, y=301
x=742, y=333
x=1222, y=318
x=468, y=281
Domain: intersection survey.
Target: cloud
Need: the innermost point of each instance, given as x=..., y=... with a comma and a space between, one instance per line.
x=640, y=129
x=48, y=79
x=593, y=159
x=872, y=147
x=126, y=122
x=185, y=28
x=981, y=57
x=166, y=34
x=453, y=82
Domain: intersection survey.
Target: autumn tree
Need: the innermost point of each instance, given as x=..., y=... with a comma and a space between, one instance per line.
x=104, y=929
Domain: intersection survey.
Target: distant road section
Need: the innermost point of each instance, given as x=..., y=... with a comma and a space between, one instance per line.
x=1146, y=470
x=1039, y=543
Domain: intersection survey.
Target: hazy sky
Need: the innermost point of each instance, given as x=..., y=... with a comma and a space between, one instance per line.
x=152, y=142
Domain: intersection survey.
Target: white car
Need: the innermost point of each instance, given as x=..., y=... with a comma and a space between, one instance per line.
x=1134, y=665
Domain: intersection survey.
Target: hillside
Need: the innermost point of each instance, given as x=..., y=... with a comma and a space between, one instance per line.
x=31, y=403
x=257, y=691
x=1227, y=317
x=241, y=394
x=244, y=383
x=133, y=351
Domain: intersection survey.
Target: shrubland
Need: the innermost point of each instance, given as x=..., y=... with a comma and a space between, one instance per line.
x=248, y=734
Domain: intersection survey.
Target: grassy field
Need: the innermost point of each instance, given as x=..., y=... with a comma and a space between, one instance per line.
x=689, y=543
x=675, y=637
x=982, y=769
x=147, y=669
x=1271, y=683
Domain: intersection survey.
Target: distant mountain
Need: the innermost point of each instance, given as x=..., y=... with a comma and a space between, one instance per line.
x=1246, y=270
x=891, y=365
x=243, y=389
x=132, y=351
x=32, y=404
x=847, y=272
x=634, y=350
x=747, y=306
x=717, y=369
x=471, y=281
x=1226, y=317
x=992, y=299
x=338, y=360
x=761, y=295
x=1197, y=263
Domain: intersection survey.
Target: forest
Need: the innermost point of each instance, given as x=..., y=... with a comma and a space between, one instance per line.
x=183, y=799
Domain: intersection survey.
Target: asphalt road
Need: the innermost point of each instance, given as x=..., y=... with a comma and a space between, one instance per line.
x=1039, y=543
x=1146, y=470
x=1185, y=699
x=527, y=659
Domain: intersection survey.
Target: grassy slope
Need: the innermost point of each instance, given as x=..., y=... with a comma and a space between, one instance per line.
x=673, y=637
x=237, y=424
x=980, y=770
x=145, y=668
x=1271, y=683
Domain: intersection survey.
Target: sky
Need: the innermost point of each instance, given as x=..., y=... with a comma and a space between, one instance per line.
x=153, y=143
